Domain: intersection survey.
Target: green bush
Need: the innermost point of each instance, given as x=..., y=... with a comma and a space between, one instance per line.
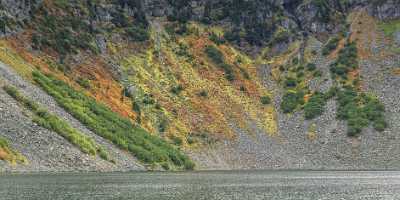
x=177, y=140
x=311, y=67
x=218, y=58
x=136, y=107
x=229, y=74
x=295, y=61
x=162, y=127
x=217, y=39
x=300, y=75
x=138, y=33
x=177, y=89
x=317, y=73
x=315, y=106
x=332, y=92
x=148, y=99
x=104, y=155
x=330, y=46
x=360, y=110
x=291, y=101
x=290, y=82
x=280, y=36
x=85, y=83
x=177, y=28
x=232, y=36
x=215, y=55
x=380, y=124
x=265, y=100
x=347, y=60
x=203, y=93
x=101, y=120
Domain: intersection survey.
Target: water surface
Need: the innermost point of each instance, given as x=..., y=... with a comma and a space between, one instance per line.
x=218, y=185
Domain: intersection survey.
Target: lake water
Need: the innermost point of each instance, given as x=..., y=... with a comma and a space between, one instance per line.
x=217, y=185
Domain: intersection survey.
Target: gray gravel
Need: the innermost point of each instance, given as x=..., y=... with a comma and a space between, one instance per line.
x=332, y=148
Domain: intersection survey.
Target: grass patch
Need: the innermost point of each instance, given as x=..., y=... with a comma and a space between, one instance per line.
x=108, y=124
x=49, y=121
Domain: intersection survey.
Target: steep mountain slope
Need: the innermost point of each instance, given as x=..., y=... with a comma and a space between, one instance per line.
x=233, y=84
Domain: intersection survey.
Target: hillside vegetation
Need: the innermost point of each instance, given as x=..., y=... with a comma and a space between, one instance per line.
x=147, y=148
x=180, y=84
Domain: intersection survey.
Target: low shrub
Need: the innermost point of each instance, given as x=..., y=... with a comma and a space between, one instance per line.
x=332, y=92
x=265, y=100
x=174, y=29
x=295, y=61
x=315, y=106
x=232, y=36
x=177, y=140
x=317, y=73
x=137, y=33
x=347, y=60
x=217, y=39
x=311, y=67
x=330, y=46
x=85, y=83
x=280, y=37
x=215, y=55
x=136, y=107
x=203, y=93
x=291, y=101
x=177, y=89
x=290, y=82
x=218, y=58
x=148, y=99
x=163, y=125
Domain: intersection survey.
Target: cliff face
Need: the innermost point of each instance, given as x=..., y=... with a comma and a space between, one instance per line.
x=233, y=84
x=310, y=16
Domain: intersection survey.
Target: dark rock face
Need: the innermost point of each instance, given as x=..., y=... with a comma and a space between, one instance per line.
x=313, y=17
x=386, y=10
x=318, y=18
x=14, y=14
